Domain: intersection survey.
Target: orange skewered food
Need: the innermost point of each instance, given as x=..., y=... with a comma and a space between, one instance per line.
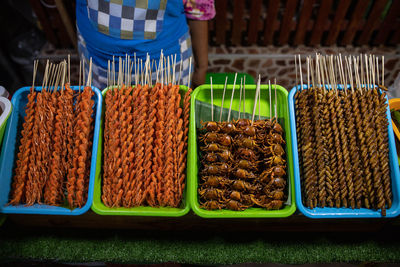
x=183, y=147
x=35, y=166
x=25, y=150
x=53, y=189
x=48, y=172
x=108, y=152
x=146, y=141
x=149, y=184
x=152, y=143
x=82, y=144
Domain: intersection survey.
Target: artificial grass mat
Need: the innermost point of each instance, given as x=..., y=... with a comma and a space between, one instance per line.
x=79, y=245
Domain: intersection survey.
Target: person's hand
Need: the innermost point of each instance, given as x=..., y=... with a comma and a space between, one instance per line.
x=199, y=77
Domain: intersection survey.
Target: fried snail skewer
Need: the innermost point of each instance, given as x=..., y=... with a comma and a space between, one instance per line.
x=383, y=148
x=377, y=172
x=370, y=146
x=358, y=103
x=333, y=141
x=354, y=119
x=304, y=103
x=318, y=100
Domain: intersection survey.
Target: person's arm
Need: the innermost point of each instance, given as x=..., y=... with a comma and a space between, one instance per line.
x=199, y=35
x=198, y=12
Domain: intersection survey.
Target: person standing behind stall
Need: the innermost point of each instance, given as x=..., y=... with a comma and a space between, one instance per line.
x=108, y=28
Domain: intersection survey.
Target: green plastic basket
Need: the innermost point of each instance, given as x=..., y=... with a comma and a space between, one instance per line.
x=219, y=78
x=102, y=209
x=202, y=94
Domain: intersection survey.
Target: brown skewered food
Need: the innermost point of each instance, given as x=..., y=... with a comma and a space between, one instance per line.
x=320, y=157
x=354, y=119
x=377, y=188
x=366, y=138
x=344, y=134
x=306, y=137
x=328, y=150
x=359, y=130
x=335, y=155
x=380, y=123
x=349, y=127
x=243, y=165
x=383, y=148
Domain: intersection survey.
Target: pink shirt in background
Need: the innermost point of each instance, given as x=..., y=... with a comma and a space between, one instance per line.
x=199, y=9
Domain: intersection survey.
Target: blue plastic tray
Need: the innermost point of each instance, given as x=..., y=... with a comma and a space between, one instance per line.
x=344, y=212
x=10, y=150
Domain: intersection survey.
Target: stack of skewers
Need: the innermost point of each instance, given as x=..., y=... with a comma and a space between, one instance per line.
x=342, y=134
x=243, y=162
x=53, y=162
x=145, y=136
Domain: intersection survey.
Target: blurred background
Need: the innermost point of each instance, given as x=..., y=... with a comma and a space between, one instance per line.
x=255, y=37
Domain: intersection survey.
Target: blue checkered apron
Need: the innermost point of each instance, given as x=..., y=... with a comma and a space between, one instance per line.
x=129, y=20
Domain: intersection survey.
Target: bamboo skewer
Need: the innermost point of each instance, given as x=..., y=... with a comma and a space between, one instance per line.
x=212, y=99
x=276, y=103
x=240, y=96
x=244, y=98
x=233, y=93
x=270, y=100
x=259, y=104
x=223, y=97
x=255, y=99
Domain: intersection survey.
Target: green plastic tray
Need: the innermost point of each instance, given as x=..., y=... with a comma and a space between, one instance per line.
x=219, y=78
x=202, y=93
x=102, y=209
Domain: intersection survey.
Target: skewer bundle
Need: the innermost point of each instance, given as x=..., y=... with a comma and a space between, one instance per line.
x=243, y=161
x=53, y=162
x=343, y=138
x=145, y=137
